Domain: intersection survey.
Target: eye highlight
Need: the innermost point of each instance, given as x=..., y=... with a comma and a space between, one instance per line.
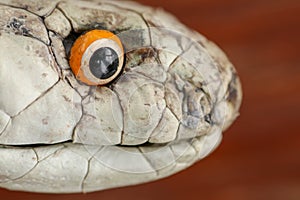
x=97, y=57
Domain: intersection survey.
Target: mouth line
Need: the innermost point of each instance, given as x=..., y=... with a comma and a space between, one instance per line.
x=67, y=142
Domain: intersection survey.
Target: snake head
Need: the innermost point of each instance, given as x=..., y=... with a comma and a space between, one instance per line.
x=102, y=94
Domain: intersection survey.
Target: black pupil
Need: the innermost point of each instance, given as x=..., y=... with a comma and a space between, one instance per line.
x=104, y=63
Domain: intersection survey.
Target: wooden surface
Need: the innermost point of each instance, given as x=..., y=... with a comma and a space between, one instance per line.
x=259, y=156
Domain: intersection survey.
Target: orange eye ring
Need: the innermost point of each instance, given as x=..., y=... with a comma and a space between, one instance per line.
x=97, y=57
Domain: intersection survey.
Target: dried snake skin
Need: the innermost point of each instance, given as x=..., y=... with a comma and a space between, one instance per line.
x=166, y=111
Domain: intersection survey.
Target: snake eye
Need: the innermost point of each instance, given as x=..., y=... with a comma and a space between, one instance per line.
x=97, y=57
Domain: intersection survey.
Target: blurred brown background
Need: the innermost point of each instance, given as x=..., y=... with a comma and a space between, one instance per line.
x=260, y=154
